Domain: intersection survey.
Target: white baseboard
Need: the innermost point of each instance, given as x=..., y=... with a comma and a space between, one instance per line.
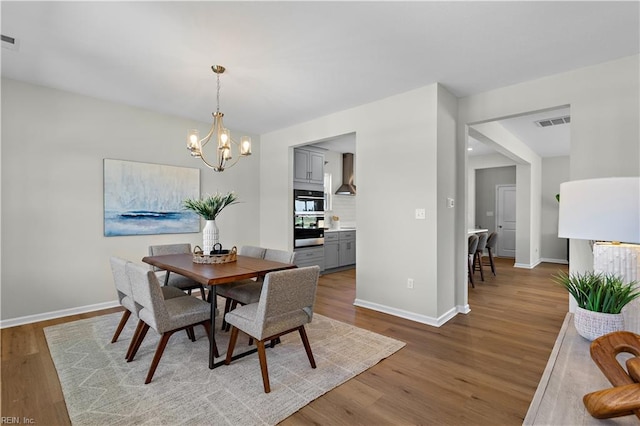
x=436, y=322
x=560, y=261
x=28, y=319
x=527, y=265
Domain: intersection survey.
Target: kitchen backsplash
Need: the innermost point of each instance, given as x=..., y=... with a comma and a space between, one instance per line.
x=344, y=206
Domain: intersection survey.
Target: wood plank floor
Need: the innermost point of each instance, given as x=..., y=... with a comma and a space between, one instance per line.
x=481, y=368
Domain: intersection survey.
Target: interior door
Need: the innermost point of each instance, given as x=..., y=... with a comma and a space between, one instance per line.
x=506, y=220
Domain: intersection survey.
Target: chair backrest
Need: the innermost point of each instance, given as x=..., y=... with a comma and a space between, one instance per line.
x=473, y=243
x=482, y=241
x=163, y=249
x=286, y=300
x=280, y=256
x=120, y=279
x=252, y=251
x=147, y=294
x=492, y=240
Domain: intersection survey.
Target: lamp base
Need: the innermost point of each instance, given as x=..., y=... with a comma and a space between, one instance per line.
x=622, y=260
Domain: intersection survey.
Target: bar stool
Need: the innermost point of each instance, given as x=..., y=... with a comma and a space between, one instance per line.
x=477, y=258
x=473, y=245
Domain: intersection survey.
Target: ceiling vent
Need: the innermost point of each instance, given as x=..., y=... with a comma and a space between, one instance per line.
x=9, y=42
x=548, y=122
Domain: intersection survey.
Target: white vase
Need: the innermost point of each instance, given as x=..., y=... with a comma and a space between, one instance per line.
x=592, y=325
x=210, y=236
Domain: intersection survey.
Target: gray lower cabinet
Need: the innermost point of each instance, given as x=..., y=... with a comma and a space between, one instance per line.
x=331, y=250
x=310, y=256
x=339, y=249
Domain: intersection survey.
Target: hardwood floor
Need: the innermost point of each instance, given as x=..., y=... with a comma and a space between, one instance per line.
x=479, y=368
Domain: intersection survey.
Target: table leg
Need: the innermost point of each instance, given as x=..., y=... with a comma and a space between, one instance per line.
x=212, y=302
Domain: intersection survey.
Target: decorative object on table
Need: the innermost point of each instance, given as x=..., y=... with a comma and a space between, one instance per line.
x=216, y=256
x=335, y=222
x=600, y=298
x=606, y=209
x=221, y=136
x=136, y=200
x=209, y=208
x=624, y=397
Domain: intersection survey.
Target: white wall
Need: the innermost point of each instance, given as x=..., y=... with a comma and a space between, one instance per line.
x=54, y=254
x=605, y=125
x=555, y=170
x=478, y=162
x=391, y=244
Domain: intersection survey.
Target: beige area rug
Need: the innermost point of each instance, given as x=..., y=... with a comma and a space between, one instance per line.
x=101, y=388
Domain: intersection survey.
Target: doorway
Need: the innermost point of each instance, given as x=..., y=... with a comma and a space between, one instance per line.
x=506, y=220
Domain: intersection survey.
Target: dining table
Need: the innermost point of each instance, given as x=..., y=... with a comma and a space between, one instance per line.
x=212, y=274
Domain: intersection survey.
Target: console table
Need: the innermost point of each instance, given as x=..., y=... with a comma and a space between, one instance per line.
x=569, y=375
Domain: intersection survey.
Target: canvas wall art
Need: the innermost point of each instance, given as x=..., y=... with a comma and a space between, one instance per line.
x=144, y=198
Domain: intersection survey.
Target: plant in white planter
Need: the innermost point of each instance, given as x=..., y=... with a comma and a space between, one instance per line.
x=209, y=208
x=600, y=299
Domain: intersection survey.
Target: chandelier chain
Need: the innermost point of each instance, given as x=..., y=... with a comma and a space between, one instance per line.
x=218, y=94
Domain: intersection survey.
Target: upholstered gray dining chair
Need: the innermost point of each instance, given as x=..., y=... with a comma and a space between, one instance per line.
x=173, y=279
x=285, y=305
x=473, y=246
x=477, y=257
x=164, y=316
x=224, y=290
x=491, y=247
x=248, y=291
x=125, y=293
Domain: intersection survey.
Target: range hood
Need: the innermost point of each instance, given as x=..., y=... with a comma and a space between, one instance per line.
x=347, y=187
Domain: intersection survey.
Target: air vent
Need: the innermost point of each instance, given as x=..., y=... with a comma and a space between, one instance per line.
x=548, y=122
x=10, y=43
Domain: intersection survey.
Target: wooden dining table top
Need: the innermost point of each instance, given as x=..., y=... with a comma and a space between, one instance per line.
x=216, y=273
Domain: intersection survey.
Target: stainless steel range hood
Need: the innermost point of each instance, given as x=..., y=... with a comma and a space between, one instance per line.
x=347, y=188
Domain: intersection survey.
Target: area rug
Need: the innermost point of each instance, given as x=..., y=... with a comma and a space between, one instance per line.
x=100, y=387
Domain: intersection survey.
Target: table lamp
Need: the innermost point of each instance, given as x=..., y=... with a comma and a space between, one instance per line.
x=607, y=211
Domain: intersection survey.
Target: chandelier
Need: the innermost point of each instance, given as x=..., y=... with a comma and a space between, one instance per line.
x=221, y=137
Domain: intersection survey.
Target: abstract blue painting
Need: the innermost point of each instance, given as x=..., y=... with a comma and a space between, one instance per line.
x=145, y=199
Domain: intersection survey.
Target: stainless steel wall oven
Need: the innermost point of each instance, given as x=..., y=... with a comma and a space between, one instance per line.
x=308, y=218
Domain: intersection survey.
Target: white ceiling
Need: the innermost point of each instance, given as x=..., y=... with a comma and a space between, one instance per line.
x=288, y=62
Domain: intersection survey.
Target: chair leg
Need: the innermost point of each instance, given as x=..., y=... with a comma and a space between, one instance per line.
x=493, y=265
x=191, y=334
x=234, y=304
x=125, y=317
x=156, y=358
x=263, y=365
x=470, y=268
x=204, y=297
x=232, y=344
x=478, y=260
x=307, y=346
x=139, y=339
x=207, y=327
x=134, y=339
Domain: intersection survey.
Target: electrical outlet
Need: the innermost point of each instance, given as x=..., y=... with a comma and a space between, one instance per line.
x=421, y=214
x=410, y=283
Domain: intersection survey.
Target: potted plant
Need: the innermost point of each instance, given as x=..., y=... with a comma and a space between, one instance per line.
x=209, y=208
x=600, y=299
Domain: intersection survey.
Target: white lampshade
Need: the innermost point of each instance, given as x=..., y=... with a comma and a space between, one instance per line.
x=606, y=209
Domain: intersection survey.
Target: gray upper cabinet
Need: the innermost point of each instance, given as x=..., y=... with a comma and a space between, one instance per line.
x=308, y=166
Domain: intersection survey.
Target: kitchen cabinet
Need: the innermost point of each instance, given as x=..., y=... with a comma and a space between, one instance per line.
x=308, y=166
x=331, y=250
x=339, y=249
x=310, y=256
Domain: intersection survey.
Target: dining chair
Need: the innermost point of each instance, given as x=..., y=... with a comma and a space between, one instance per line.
x=473, y=246
x=164, y=316
x=248, y=291
x=173, y=279
x=477, y=257
x=491, y=246
x=224, y=290
x=285, y=305
x=125, y=293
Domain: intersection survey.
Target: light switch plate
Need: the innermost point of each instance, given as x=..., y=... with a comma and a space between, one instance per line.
x=450, y=203
x=421, y=214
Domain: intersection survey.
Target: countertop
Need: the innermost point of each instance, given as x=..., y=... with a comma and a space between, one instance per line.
x=338, y=230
